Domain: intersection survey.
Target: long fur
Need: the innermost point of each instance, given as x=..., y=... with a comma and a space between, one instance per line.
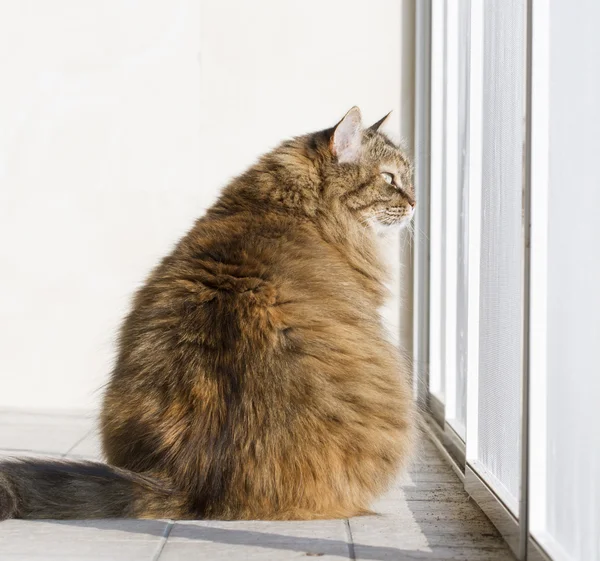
x=254, y=379
x=39, y=488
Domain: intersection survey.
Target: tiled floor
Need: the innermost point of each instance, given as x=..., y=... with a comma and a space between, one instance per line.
x=427, y=515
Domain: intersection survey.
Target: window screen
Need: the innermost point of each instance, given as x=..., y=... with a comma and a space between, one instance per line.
x=501, y=279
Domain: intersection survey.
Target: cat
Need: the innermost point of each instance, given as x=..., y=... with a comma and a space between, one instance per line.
x=254, y=379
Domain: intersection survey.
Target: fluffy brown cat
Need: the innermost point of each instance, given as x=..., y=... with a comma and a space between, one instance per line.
x=254, y=379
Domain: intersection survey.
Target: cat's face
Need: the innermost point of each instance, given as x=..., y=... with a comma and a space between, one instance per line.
x=376, y=175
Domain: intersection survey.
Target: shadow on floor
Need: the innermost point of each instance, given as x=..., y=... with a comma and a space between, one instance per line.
x=309, y=546
x=234, y=536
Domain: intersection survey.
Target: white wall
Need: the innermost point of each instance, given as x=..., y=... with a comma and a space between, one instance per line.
x=120, y=121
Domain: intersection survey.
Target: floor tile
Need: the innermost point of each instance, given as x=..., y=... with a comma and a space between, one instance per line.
x=41, y=433
x=88, y=447
x=259, y=540
x=396, y=531
x=402, y=536
x=91, y=540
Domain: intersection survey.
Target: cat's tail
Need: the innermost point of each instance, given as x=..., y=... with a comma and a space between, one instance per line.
x=40, y=488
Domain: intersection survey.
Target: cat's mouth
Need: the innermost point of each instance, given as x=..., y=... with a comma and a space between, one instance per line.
x=391, y=219
x=395, y=216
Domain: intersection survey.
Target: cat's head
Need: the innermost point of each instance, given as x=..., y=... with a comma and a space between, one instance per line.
x=345, y=172
x=371, y=176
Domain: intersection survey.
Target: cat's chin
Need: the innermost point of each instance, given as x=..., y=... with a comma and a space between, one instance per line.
x=385, y=230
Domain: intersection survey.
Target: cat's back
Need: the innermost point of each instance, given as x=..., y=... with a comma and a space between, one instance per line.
x=228, y=283
x=260, y=260
x=246, y=290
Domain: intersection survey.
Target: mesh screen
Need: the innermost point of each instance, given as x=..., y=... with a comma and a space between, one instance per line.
x=501, y=247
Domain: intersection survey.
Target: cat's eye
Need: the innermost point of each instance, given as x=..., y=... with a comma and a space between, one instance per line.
x=388, y=177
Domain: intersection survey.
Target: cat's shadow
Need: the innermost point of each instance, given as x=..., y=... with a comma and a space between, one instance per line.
x=196, y=531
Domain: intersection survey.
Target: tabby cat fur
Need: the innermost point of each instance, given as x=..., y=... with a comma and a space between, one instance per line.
x=254, y=377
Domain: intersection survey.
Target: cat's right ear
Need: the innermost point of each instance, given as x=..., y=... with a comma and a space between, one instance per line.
x=346, y=137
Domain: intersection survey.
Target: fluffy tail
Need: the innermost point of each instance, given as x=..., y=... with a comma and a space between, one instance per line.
x=34, y=488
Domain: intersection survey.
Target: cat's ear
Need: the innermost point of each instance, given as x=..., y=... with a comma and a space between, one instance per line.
x=347, y=136
x=376, y=126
